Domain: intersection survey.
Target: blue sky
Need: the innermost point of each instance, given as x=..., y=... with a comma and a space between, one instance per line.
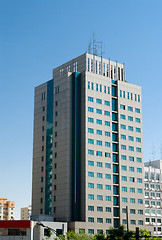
x=36, y=36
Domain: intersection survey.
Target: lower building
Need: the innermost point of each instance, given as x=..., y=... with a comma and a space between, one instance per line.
x=7, y=209
x=29, y=230
x=153, y=196
x=26, y=213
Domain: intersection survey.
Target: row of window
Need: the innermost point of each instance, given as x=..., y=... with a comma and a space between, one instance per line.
x=131, y=179
x=99, y=111
x=152, y=186
x=153, y=220
x=99, y=101
x=131, y=169
x=130, y=138
x=133, y=222
x=132, y=190
x=98, y=153
x=99, y=175
x=108, y=220
x=99, y=186
x=99, y=164
x=132, y=200
x=153, y=203
x=99, y=132
x=123, y=107
x=130, y=96
x=131, y=148
x=133, y=211
x=98, y=121
x=130, y=118
x=152, y=194
x=153, y=211
x=99, y=87
x=99, y=197
x=131, y=158
x=152, y=176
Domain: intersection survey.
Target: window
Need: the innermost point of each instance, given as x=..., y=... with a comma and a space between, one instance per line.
x=99, y=153
x=107, y=134
x=99, y=175
x=122, y=116
x=124, y=178
x=90, y=196
x=130, y=118
x=99, y=186
x=132, y=211
x=131, y=169
x=107, y=113
x=140, y=212
x=90, y=174
x=99, y=132
x=107, y=103
x=90, y=99
x=140, y=201
x=90, y=130
x=138, y=139
x=124, y=200
x=138, y=120
x=123, y=157
x=99, y=209
x=100, y=88
x=139, y=170
x=130, y=128
x=99, y=164
x=107, y=123
x=90, y=109
x=122, y=106
x=107, y=154
x=131, y=179
x=123, y=126
x=90, y=120
x=124, y=189
x=98, y=121
x=108, y=176
x=91, y=219
x=90, y=185
x=92, y=85
x=100, y=220
x=99, y=143
x=108, y=198
x=131, y=96
x=128, y=95
x=123, y=136
x=90, y=231
x=123, y=147
x=91, y=208
x=96, y=87
x=104, y=89
x=120, y=93
x=133, y=222
x=131, y=148
x=99, y=111
x=139, y=190
x=138, y=149
x=108, y=220
x=130, y=138
x=123, y=94
x=137, y=110
x=90, y=152
x=131, y=158
x=99, y=197
x=130, y=109
x=132, y=190
x=132, y=200
x=107, y=144
x=107, y=165
x=90, y=141
x=108, y=209
x=124, y=168
x=99, y=101
x=108, y=187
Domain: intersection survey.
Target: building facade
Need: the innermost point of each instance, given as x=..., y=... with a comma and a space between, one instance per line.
x=153, y=196
x=87, y=151
x=26, y=213
x=7, y=209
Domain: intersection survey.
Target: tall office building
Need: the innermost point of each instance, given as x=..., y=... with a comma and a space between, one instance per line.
x=153, y=196
x=87, y=153
x=7, y=209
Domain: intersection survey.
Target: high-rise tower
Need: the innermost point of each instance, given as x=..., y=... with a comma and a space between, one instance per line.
x=87, y=154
